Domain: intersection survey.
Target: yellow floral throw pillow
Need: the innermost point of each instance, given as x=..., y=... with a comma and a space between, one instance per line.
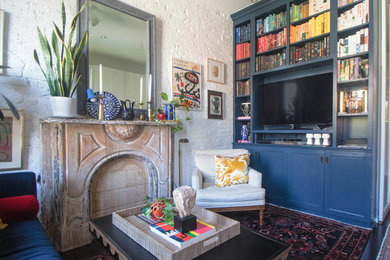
x=231, y=170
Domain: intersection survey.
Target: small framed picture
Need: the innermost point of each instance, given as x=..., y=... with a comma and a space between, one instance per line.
x=215, y=71
x=11, y=140
x=214, y=105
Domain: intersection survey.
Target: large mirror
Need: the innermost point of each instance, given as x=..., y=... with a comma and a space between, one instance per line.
x=120, y=52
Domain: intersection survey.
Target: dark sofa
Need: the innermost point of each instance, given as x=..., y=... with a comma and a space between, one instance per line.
x=23, y=239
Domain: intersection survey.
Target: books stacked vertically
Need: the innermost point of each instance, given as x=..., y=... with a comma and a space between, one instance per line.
x=353, y=44
x=351, y=69
x=314, y=27
x=310, y=50
x=243, y=33
x=170, y=234
x=243, y=50
x=271, y=41
x=266, y=62
x=271, y=22
x=308, y=8
x=243, y=88
x=355, y=16
x=243, y=70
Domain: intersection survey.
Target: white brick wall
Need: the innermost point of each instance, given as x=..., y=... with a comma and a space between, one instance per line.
x=188, y=30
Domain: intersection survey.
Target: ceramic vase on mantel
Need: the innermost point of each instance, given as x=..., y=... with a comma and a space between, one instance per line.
x=65, y=107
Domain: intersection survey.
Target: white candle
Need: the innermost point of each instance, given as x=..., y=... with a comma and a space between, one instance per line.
x=91, y=78
x=150, y=88
x=140, y=90
x=100, y=79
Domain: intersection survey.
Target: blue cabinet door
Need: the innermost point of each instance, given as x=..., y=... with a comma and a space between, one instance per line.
x=273, y=164
x=306, y=184
x=348, y=186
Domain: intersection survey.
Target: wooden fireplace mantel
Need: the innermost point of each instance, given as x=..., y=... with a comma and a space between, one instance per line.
x=72, y=150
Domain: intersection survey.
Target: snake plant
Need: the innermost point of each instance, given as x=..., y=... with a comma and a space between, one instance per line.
x=60, y=60
x=11, y=105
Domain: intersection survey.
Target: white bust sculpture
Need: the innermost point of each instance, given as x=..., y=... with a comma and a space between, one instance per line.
x=184, y=198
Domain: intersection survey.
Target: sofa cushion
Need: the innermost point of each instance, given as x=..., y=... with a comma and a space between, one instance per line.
x=239, y=192
x=18, y=208
x=205, y=161
x=26, y=240
x=231, y=170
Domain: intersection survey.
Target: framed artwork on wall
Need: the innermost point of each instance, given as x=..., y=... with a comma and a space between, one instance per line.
x=214, y=104
x=11, y=140
x=215, y=71
x=186, y=79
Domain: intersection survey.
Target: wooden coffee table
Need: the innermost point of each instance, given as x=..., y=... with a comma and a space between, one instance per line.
x=247, y=245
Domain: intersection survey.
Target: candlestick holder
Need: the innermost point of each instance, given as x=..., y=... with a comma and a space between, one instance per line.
x=150, y=110
x=141, y=116
x=101, y=108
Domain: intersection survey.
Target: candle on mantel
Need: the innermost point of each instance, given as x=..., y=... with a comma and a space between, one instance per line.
x=100, y=79
x=150, y=88
x=140, y=90
x=91, y=78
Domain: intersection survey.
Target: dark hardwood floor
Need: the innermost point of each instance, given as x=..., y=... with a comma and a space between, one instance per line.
x=375, y=240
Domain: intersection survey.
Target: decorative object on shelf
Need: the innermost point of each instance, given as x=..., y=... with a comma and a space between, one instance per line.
x=61, y=61
x=186, y=80
x=353, y=102
x=214, y=105
x=178, y=124
x=184, y=198
x=111, y=106
x=244, y=132
x=170, y=111
x=246, y=109
x=160, y=114
x=11, y=140
x=309, y=139
x=91, y=96
x=127, y=109
x=215, y=71
x=317, y=139
x=159, y=209
x=325, y=139
x=63, y=106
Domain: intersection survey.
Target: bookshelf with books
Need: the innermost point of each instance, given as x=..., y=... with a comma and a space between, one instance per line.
x=329, y=42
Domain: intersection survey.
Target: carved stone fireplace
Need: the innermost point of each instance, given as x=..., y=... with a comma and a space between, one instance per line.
x=91, y=168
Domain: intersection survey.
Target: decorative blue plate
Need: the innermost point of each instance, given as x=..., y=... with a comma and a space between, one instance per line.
x=111, y=106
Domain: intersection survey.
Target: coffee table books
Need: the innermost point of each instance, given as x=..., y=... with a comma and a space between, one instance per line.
x=138, y=230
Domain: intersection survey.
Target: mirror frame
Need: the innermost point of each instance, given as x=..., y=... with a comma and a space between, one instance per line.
x=84, y=60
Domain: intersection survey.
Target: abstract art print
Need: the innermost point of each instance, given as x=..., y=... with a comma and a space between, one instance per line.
x=11, y=138
x=214, y=105
x=186, y=80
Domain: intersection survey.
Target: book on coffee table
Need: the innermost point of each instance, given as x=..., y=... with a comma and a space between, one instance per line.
x=168, y=232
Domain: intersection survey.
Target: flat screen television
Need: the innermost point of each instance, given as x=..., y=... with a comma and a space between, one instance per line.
x=297, y=102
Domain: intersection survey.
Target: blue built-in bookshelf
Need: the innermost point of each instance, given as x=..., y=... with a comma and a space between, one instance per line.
x=281, y=43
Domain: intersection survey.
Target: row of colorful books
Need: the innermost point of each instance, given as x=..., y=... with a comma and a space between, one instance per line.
x=243, y=33
x=357, y=15
x=266, y=62
x=243, y=88
x=353, y=44
x=243, y=50
x=271, y=41
x=307, y=9
x=243, y=69
x=345, y=2
x=353, y=68
x=310, y=50
x=271, y=22
x=314, y=27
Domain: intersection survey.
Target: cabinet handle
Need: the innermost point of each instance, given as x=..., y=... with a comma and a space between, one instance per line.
x=321, y=160
x=326, y=159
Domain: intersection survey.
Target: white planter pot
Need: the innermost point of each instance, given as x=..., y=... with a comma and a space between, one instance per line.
x=63, y=106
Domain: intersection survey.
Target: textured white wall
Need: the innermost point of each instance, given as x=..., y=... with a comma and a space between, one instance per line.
x=188, y=30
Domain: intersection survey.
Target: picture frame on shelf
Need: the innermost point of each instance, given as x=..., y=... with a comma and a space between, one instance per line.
x=214, y=104
x=215, y=71
x=11, y=141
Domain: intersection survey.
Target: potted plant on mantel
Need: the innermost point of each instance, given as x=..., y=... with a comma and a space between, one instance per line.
x=59, y=65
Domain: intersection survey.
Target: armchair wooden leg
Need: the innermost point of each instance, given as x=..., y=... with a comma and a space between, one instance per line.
x=261, y=216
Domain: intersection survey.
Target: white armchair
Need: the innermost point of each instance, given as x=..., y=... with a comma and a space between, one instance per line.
x=236, y=197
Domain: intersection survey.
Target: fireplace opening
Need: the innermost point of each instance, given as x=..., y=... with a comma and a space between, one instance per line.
x=120, y=183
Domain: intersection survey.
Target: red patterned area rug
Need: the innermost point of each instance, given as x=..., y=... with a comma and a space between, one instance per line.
x=311, y=237
x=384, y=253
